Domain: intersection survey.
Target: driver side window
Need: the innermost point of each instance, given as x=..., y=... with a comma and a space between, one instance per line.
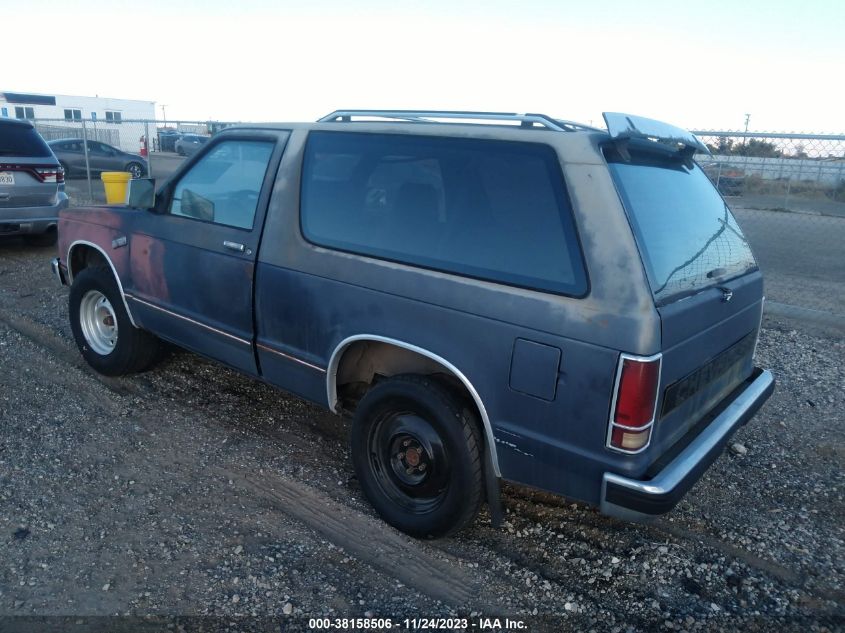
x=223, y=186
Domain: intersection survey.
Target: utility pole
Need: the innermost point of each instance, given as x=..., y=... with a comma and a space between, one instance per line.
x=745, y=138
x=164, y=113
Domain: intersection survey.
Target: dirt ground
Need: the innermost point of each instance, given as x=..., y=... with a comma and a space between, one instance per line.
x=191, y=490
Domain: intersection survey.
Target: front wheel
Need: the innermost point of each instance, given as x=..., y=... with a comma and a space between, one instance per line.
x=101, y=327
x=417, y=454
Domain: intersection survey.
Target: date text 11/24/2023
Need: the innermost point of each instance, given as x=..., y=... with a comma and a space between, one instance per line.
x=418, y=624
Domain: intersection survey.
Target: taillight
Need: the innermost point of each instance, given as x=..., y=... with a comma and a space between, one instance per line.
x=634, y=403
x=50, y=174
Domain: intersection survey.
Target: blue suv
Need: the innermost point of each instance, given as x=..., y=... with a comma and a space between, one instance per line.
x=490, y=296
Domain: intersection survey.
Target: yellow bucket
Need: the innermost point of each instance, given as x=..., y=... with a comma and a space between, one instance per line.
x=116, y=184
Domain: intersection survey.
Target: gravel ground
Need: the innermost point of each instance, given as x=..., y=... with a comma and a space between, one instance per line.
x=193, y=491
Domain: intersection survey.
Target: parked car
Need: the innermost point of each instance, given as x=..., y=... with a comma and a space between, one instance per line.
x=189, y=144
x=101, y=157
x=167, y=139
x=32, y=184
x=548, y=303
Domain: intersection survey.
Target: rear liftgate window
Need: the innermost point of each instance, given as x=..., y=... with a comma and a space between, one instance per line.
x=687, y=236
x=22, y=141
x=486, y=209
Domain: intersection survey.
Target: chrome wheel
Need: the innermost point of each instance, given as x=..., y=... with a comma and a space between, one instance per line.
x=136, y=170
x=98, y=322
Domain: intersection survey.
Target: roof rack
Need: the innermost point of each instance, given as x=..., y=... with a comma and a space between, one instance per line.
x=426, y=116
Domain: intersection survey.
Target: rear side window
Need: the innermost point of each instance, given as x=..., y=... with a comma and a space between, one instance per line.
x=23, y=141
x=492, y=210
x=687, y=235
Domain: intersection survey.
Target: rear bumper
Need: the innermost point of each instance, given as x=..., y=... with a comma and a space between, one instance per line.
x=24, y=220
x=638, y=500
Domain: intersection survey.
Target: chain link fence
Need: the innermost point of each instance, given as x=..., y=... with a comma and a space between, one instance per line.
x=786, y=190
x=144, y=148
x=792, y=172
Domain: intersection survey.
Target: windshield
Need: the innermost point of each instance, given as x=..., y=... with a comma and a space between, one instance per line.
x=687, y=236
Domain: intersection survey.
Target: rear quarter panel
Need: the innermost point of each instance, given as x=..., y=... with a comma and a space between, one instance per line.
x=309, y=299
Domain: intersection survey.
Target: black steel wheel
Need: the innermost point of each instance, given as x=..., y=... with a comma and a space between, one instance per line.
x=417, y=454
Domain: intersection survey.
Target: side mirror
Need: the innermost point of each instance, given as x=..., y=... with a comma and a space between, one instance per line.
x=142, y=193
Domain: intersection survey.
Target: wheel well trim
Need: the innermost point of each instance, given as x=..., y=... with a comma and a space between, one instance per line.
x=111, y=265
x=334, y=362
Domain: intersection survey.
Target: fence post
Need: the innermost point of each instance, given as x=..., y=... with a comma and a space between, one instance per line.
x=149, y=149
x=87, y=163
x=745, y=170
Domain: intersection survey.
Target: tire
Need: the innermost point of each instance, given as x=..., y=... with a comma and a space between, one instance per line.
x=47, y=238
x=65, y=169
x=417, y=452
x=96, y=307
x=180, y=151
x=136, y=169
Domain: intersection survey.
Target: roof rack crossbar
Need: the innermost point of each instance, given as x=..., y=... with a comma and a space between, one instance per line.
x=425, y=116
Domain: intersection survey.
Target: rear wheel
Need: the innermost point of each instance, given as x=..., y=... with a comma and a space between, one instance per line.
x=101, y=327
x=136, y=169
x=417, y=454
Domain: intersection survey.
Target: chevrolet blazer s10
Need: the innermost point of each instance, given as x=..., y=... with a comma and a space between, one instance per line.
x=490, y=296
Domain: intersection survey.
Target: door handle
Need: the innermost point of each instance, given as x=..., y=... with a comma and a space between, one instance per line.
x=234, y=246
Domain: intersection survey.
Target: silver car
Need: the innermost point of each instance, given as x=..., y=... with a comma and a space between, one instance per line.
x=189, y=144
x=32, y=184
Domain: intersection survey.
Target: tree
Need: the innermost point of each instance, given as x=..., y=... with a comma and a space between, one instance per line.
x=758, y=148
x=723, y=146
x=747, y=147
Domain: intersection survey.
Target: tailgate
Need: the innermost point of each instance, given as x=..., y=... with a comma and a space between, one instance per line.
x=708, y=344
x=20, y=185
x=28, y=169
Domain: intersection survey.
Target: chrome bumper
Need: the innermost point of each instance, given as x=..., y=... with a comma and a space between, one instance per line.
x=639, y=500
x=59, y=271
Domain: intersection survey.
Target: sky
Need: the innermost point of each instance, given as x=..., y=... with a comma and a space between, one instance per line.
x=701, y=65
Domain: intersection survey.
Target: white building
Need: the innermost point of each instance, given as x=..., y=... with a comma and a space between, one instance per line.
x=108, y=120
